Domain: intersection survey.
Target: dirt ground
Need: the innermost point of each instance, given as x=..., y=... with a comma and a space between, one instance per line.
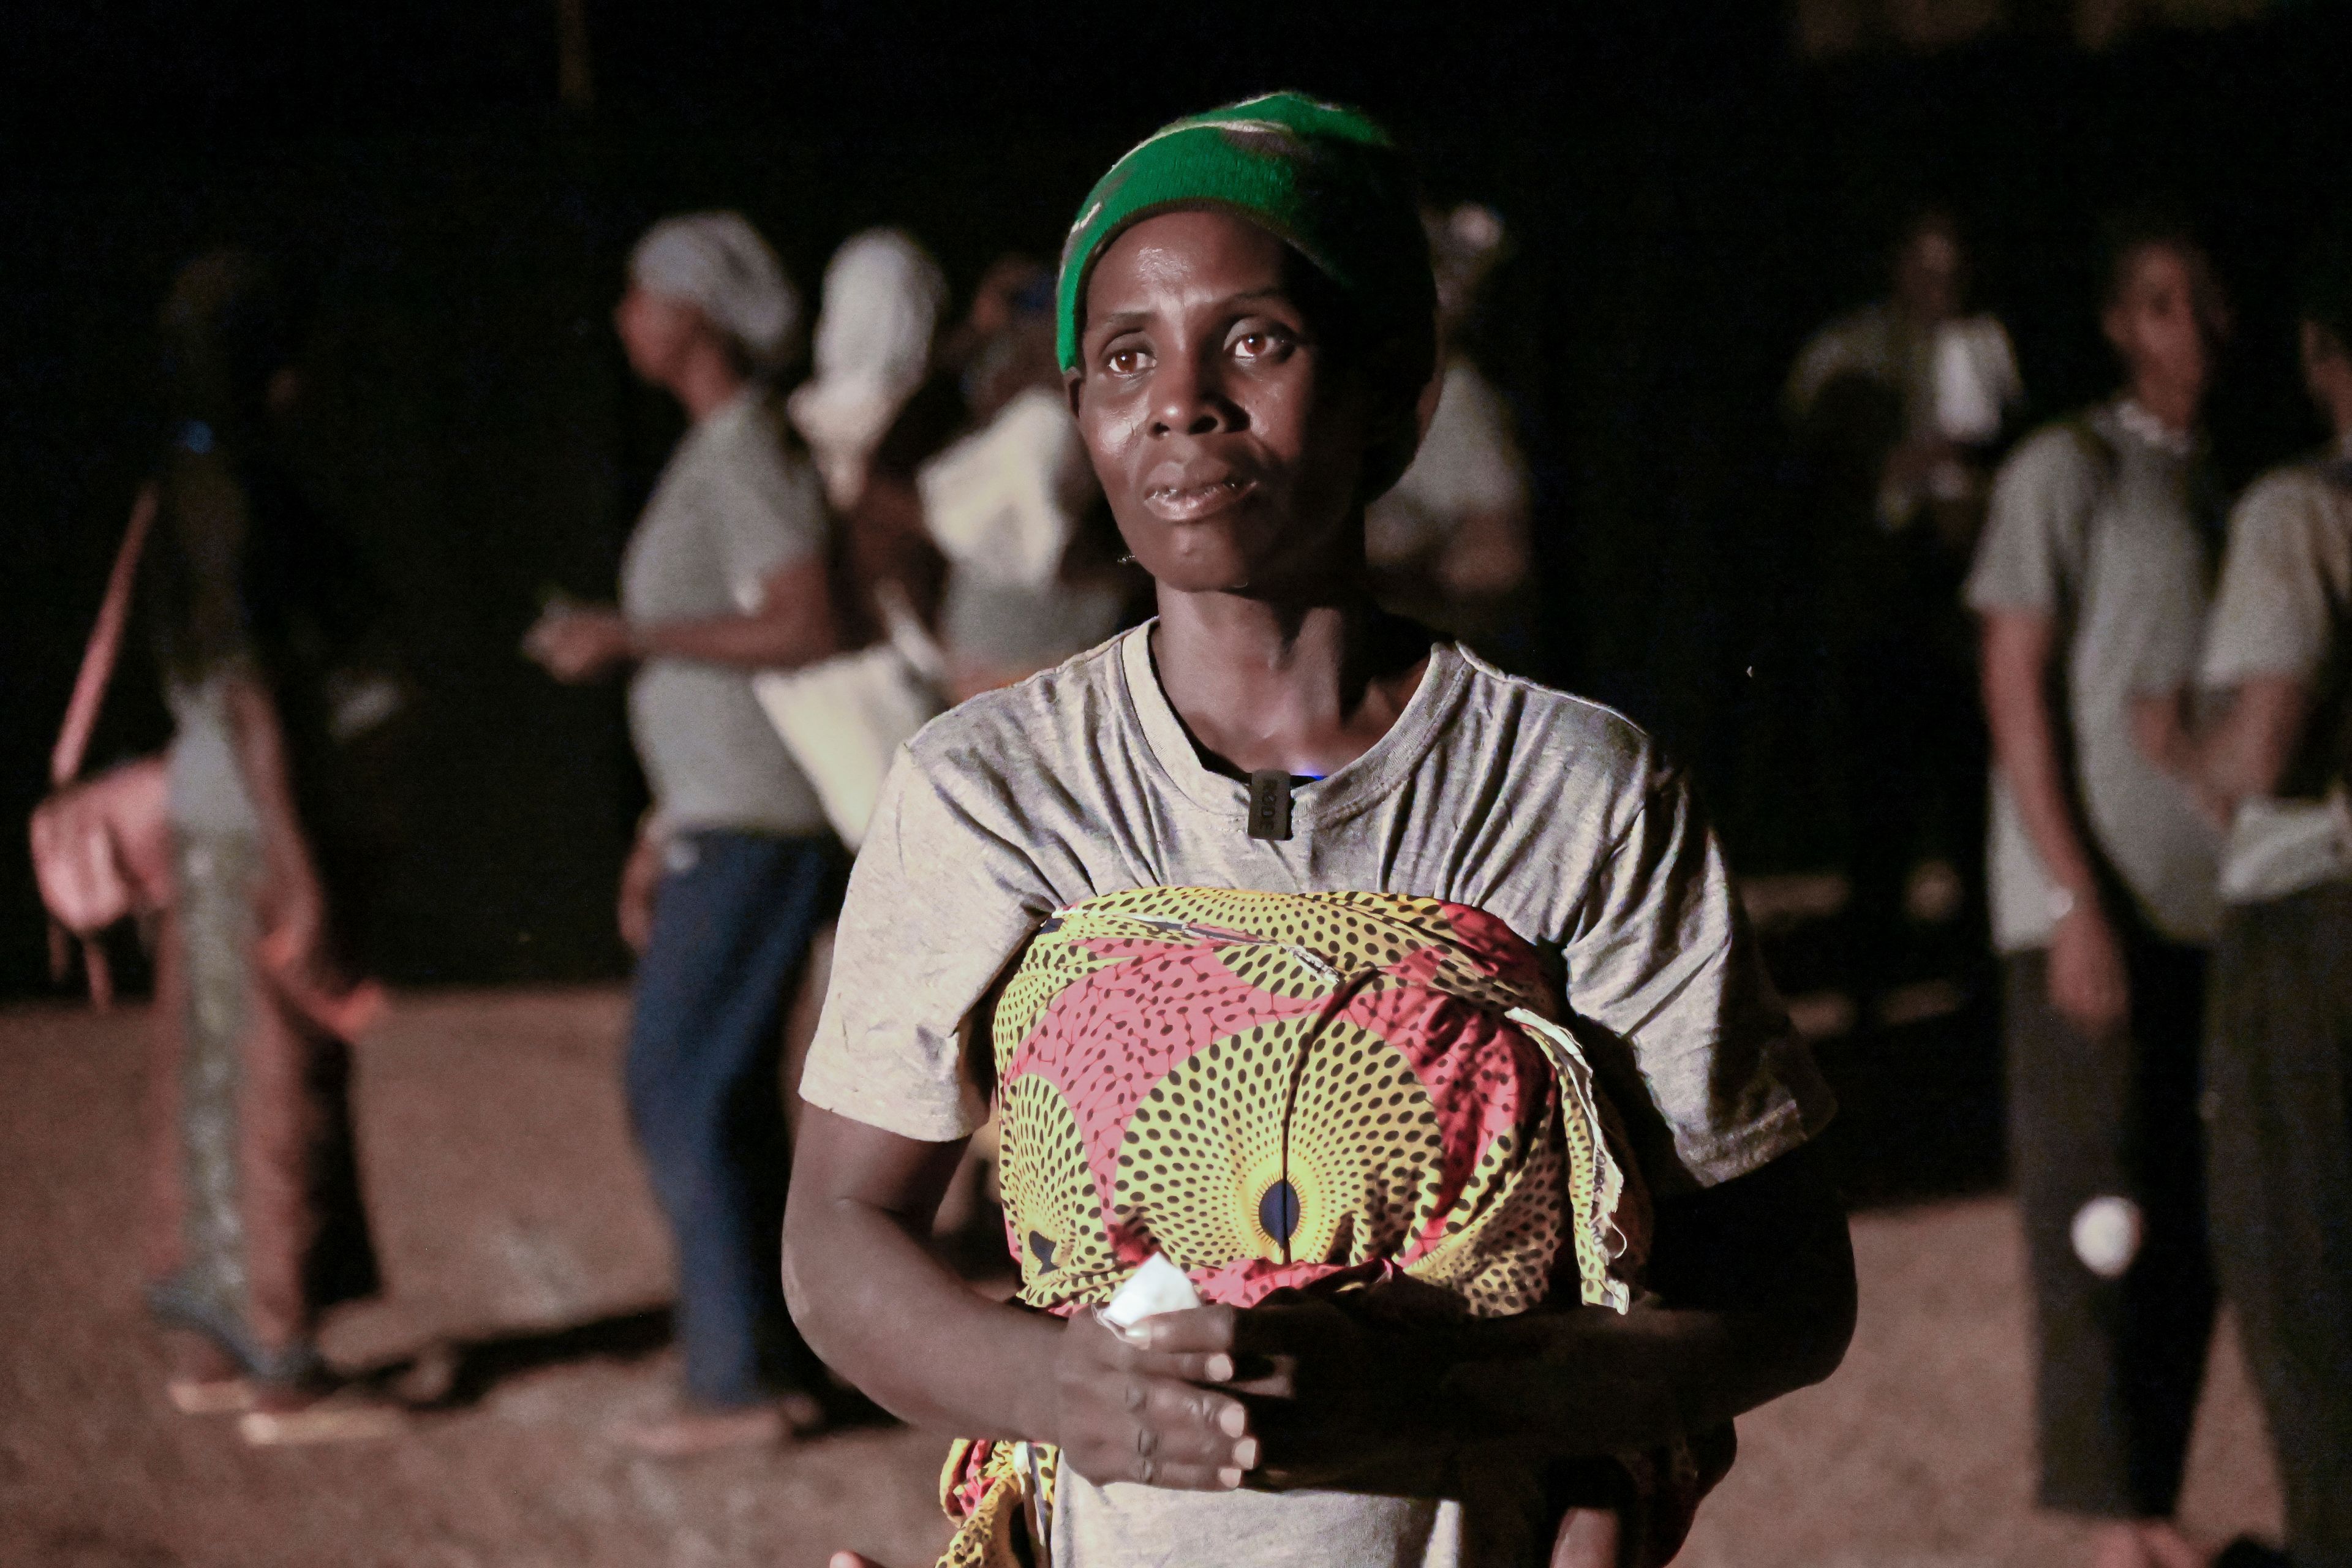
x=515, y=1224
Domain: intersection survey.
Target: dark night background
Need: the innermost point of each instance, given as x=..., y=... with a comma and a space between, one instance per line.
x=1690, y=198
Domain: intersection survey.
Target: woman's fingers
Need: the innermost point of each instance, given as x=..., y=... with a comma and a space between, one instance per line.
x=1194, y=1330
x=1195, y=1366
x=1163, y=1432
x=1184, y=1422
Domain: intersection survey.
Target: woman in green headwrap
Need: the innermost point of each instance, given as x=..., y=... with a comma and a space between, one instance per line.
x=1369, y=985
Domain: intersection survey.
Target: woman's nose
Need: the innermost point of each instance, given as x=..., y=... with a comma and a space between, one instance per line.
x=1187, y=397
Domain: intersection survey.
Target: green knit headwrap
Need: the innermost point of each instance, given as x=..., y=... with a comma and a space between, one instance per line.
x=1325, y=180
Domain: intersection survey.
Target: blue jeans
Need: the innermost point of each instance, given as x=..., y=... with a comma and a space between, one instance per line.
x=731, y=927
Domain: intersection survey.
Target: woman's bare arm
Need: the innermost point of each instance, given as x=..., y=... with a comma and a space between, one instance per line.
x=1754, y=1297
x=876, y=1306
x=792, y=626
x=880, y=1309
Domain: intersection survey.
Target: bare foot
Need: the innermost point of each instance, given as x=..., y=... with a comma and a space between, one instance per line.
x=686, y=1431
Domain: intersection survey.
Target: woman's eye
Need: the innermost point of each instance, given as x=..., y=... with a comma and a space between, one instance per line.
x=1260, y=344
x=1126, y=359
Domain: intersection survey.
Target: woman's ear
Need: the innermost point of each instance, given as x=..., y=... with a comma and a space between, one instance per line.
x=1071, y=381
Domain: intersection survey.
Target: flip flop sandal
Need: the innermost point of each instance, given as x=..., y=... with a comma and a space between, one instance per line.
x=209, y=1395
x=348, y=1417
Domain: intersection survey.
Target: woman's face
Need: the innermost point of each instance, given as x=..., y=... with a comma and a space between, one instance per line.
x=1228, y=442
x=655, y=334
x=2164, y=320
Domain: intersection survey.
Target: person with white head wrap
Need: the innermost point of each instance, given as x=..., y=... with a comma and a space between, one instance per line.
x=716, y=262
x=883, y=299
x=725, y=576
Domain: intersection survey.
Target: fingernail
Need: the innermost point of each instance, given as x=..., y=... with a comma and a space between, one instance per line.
x=1245, y=1453
x=1221, y=1369
x=1228, y=1479
x=1233, y=1419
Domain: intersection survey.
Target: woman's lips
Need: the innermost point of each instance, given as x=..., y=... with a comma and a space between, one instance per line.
x=1191, y=503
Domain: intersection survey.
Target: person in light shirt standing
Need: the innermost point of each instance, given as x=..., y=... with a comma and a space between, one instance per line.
x=2279, y=1051
x=2090, y=584
x=725, y=574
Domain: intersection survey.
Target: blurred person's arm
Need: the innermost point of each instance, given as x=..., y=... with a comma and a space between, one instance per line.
x=641, y=875
x=2239, y=755
x=792, y=626
x=2270, y=634
x=2088, y=980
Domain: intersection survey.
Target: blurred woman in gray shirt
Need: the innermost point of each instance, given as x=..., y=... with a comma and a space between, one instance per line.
x=725, y=574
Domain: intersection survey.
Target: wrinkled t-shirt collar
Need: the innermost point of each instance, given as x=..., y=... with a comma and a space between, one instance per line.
x=1383, y=767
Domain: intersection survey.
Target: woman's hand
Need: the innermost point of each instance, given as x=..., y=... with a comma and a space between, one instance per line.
x=641, y=877
x=2088, y=982
x=1330, y=1387
x=1128, y=1411
x=579, y=644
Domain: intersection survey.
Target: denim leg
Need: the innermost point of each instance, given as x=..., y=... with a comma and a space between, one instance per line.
x=731, y=927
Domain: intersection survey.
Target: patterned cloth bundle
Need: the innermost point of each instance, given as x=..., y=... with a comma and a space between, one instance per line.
x=1316, y=1091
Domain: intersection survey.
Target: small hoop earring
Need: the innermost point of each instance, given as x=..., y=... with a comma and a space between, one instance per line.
x=1128, y=559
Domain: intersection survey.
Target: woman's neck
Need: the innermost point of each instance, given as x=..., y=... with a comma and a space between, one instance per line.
x=2174, y=406
x=706, y=382
x=1304, y=689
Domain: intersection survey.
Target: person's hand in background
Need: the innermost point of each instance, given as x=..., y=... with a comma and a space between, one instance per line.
x=2088, y=980
x=641, y=876
x=580, y=645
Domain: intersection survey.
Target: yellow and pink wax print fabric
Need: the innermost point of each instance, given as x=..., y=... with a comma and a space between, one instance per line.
x=1291, y=1090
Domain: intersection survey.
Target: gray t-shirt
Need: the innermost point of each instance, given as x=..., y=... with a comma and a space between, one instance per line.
x=204, y=785
x=730, y=508
x=2285, y=599
x=1554, y=815
x=2094, y=524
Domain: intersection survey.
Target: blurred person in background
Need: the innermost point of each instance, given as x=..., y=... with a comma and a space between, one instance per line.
x=1448, y=545
x=726, y=572
x=263, y=616
x=873, y=409
x=1034, y=557
x=1948, y=377
x=1897, y=409
x=2090, y=582
x=2275, y=760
